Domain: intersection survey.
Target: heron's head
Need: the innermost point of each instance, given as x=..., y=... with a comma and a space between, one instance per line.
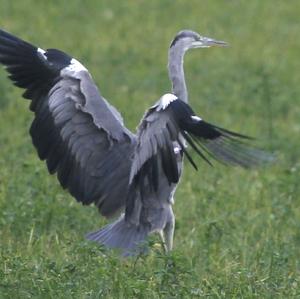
x=187, y=39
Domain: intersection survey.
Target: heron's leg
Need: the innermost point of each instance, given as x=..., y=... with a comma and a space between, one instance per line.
x=169, y=232
x=162, y=238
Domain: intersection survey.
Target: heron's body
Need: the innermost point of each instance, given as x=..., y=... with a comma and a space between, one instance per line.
x=83, y=139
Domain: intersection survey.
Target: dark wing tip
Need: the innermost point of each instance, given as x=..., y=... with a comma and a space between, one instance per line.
x=221, y=144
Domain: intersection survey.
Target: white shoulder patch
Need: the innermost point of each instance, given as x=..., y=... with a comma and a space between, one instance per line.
x=42, y=52
x=75, y=66
x=196, y=118
x=165, y=101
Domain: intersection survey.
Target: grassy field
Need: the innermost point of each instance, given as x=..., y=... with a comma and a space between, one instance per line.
x=237, y=232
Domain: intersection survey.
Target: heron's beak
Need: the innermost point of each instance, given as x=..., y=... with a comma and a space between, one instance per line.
x=206, y=42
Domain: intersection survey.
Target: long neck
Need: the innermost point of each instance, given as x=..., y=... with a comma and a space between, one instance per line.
x=176, y=73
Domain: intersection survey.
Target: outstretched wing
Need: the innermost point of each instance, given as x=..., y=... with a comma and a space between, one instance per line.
x=163, y=132
x=79, y=134
x=223, y=145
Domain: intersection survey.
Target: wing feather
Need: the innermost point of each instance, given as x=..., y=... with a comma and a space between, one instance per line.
x=79, y=134
x=225, y=146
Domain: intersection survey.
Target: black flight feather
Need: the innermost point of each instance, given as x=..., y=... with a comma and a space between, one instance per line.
x=225, y=146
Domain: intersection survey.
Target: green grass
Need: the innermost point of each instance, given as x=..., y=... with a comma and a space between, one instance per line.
x=237, y=232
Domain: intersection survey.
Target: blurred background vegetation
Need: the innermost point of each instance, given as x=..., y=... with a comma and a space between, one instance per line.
x=237, y=232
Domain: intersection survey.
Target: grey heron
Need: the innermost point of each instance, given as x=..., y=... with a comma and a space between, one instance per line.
x=98, y=160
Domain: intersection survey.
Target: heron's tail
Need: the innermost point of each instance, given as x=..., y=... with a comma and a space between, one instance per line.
x=130, y=239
